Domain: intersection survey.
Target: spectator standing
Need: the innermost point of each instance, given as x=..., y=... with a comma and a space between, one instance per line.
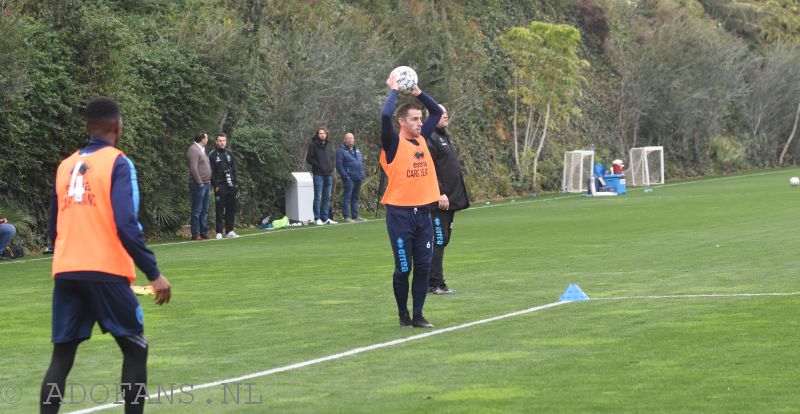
x=320, y=157
x=453, y=197
x=199, y=185
x=224, y=179
x=350, y=164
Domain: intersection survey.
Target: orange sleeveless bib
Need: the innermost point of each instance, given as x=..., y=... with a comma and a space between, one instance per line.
x=87, y=237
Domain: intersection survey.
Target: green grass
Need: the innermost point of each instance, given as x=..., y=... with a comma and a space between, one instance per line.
x=268, y=300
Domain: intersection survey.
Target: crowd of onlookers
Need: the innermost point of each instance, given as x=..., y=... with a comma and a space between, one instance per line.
x=217, y=171
x=349, y=163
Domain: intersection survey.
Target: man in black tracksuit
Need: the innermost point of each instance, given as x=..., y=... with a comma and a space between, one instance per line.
x=224, y=181
x=453, y=198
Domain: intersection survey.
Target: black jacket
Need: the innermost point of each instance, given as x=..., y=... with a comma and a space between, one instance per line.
x=222, y=161
x=448, y=169
x=320, y=156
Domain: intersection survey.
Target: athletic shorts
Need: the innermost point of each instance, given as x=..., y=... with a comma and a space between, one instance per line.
x=78, y=304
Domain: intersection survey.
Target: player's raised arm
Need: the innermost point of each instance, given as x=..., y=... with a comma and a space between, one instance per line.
x=434, y=112
x=389, y=137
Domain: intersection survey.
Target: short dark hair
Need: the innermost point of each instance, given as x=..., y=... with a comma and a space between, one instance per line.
x=199, y=137
x=402, y=111
x=221, y=134
x=102, y=109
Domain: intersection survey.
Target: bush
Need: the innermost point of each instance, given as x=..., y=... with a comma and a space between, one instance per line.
x=727, y=154
x=264, y=172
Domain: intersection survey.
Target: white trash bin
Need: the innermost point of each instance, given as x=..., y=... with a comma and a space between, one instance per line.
x=300, y=197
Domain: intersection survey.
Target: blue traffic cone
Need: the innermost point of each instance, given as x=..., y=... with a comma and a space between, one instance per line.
x=573, y=294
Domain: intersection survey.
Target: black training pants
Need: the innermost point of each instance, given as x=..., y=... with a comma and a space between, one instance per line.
x=442, y=227
x=225, y=203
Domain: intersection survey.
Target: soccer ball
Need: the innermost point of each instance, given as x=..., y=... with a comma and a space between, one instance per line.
x=406, y=79
x=794, y=181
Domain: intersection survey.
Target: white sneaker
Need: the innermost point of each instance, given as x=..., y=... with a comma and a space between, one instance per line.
x=231, y=235
x=329, y=221
x=318, y=222
x=219, y=236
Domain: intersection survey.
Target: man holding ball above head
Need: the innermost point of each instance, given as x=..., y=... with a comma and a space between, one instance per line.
x=412, y=187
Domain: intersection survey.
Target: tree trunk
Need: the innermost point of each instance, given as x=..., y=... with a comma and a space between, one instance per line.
x=224, y=119
x=516, y=144
x=526, y=142
x=541, y=142
x=621, y=116
x=791, y=136
x=529, y=139
x=529, y=132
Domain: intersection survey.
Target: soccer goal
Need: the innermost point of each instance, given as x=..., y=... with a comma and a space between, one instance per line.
x=578, y=167
x=646, y=166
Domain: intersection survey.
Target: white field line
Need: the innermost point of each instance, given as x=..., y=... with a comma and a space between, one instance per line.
x=733, y=177
x=701, y=295
x=308, y=227
x=428, y=334
x=340, y=355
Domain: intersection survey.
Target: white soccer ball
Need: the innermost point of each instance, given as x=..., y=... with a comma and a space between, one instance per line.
x=406, y=79
x=794, y=181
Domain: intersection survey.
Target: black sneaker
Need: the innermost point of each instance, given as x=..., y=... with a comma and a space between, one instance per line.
x=443, y=290
x=419, y=321
x=405, y=321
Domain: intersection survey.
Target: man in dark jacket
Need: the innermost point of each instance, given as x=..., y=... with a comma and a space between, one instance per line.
x=319, y=156
x=224, y=181
x=453, y=198
x=350, y=164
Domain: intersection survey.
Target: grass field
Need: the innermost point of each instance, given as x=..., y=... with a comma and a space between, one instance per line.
x=269, y=300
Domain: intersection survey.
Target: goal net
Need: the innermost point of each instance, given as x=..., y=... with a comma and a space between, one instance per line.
x=578, y=167
x=646, y=166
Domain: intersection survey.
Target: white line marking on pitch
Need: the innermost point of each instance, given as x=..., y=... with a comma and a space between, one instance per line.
x=428, y=334
x=701, y=295
x=340, y=355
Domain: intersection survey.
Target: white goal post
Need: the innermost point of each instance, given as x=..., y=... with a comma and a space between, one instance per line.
x=578, y=167
x=646, y=166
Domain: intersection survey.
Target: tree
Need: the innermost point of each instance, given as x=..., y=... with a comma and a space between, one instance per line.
x=546, y=80
x=681, y=84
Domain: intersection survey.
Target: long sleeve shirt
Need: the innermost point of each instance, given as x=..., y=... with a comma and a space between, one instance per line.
x=125, y=203
x=389, y=138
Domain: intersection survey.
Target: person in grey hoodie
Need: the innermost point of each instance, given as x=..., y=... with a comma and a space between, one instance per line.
x=350, y=164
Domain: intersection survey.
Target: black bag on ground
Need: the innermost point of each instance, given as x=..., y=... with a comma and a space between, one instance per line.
x=12, y=252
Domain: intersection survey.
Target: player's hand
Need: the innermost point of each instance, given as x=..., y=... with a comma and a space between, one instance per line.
x=444, y=202
x=416, y=91
x=392, y=82
x=162, y=289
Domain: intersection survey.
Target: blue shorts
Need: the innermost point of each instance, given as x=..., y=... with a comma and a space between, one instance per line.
x=78, y=304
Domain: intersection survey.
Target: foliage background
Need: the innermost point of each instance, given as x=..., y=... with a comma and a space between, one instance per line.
x=717, y=83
